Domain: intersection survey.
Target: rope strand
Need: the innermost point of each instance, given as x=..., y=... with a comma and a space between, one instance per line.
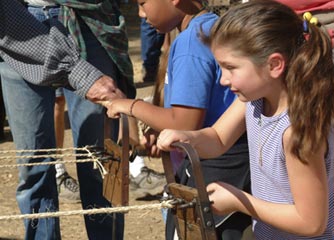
x=97, y=164
x=123, y=209
x=45, y=150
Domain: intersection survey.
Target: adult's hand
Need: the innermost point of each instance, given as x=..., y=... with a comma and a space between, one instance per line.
x=104, y=89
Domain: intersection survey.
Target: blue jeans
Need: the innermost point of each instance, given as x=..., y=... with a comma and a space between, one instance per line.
x=151, y=42
x=30, y=113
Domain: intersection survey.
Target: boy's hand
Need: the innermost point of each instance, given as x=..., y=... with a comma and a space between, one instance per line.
x=149, y=140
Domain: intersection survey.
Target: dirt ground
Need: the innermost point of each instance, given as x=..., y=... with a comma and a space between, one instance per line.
x=139, y=224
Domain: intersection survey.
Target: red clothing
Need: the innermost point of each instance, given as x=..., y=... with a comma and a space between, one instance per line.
x=301, y=6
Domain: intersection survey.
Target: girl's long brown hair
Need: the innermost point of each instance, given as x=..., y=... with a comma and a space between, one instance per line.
x=262, y=27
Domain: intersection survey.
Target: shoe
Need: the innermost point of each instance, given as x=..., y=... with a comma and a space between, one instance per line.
x=68, y=188
x=148, y=182
x=150, y=74
x=2, y=136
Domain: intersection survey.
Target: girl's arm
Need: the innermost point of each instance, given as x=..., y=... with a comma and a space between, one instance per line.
x=309, y=213
x=158, y=118
x=210, y=142
x=309, y=189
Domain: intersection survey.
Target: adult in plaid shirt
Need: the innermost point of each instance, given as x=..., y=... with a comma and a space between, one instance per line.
x=45, y=56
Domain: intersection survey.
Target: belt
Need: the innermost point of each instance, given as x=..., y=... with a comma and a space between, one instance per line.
x=44, y=7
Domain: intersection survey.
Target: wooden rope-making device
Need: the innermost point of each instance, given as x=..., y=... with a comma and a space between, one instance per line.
x=190, y=206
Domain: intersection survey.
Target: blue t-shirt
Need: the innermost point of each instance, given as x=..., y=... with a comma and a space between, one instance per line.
x=193, y=74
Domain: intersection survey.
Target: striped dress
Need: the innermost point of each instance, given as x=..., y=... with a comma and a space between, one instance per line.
x=269, y=175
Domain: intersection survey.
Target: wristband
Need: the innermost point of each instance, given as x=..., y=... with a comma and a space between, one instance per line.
x=132, y=105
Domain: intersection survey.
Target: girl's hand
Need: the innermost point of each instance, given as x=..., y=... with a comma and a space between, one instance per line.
x=168, y=136
x=224, y=198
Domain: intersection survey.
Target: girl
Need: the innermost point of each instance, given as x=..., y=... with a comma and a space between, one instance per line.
x=281, y=69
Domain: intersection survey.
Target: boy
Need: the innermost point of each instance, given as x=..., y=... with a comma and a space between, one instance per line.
x=193, y=98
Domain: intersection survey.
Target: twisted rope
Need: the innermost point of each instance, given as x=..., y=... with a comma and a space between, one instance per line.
x=45, y=150
x=94, y=159
x=124, y=209
x=46, y=163
x=45, y=156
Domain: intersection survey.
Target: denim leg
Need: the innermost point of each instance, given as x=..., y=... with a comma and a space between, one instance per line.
x=151, y=42
x=30, y=112
x=43, y=14
x=2, y=115
x=87, y=124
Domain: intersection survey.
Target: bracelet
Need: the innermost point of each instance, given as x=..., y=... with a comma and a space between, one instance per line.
x=132, y=105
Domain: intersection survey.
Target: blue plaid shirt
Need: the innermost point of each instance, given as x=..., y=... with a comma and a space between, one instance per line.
x=42, y=55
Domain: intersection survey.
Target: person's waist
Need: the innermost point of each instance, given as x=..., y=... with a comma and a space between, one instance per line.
x=41, y=4
x=45, y=8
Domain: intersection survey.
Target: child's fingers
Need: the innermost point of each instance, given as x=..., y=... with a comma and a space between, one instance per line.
x=105, y=103
x=211, y=188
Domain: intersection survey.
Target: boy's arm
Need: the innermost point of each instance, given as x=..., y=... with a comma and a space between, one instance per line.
x=158, y=118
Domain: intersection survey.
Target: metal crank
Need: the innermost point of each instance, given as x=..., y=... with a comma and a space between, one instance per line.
x=192, y=213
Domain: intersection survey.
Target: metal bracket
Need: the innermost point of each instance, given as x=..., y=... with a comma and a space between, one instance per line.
x=193, y=217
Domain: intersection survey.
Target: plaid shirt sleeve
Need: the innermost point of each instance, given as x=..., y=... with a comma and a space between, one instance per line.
x=43, y=55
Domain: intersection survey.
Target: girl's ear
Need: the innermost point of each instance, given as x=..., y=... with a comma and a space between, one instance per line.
x=276, y=64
